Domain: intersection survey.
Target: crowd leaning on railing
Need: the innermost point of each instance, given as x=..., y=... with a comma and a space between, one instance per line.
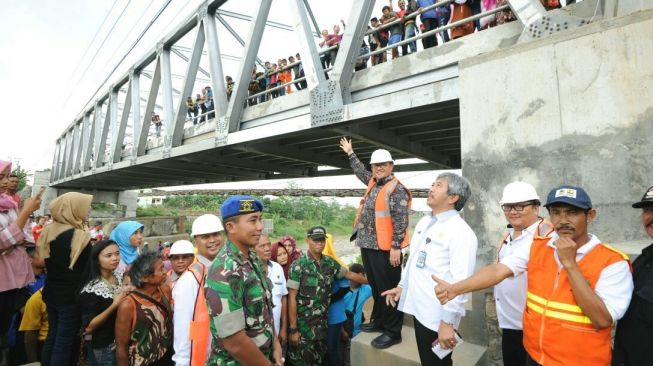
x=402, y=23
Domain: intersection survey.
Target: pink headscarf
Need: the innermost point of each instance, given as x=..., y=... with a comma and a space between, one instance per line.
x=6, y=202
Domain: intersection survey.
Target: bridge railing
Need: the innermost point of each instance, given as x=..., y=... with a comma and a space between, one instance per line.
x=96, y=139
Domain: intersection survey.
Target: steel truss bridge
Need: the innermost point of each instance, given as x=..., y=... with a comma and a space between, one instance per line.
x=409, y=105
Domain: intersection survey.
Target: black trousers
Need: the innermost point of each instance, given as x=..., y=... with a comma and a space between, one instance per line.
x=7, y=309
x=425, y=338
x=430, y=41
x=382, y=277
x=512, y=347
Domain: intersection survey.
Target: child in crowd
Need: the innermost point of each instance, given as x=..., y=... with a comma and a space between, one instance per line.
x=354, y=300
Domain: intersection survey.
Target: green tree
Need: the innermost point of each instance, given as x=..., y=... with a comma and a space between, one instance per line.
x=22, y=176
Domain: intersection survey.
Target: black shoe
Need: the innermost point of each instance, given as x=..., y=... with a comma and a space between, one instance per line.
x=385, y=341
x=371, y=327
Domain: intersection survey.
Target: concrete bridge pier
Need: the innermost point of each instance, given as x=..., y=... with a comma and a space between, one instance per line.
x=125, y=199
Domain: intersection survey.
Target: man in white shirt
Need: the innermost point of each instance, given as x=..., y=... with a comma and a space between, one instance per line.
x=577, y=286
x=192, y=337
x=521, y=207
x=444, y=244
x=274, y=271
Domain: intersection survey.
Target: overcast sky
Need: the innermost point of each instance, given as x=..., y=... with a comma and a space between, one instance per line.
x=56, y=54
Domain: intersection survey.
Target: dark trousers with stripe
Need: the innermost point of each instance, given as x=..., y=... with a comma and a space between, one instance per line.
x=382, y=277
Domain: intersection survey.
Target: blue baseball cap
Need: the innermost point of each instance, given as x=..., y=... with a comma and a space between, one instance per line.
x=239, y=205
x=574, y=196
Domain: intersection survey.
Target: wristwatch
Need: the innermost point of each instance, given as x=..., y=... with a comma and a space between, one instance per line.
x=292, y=330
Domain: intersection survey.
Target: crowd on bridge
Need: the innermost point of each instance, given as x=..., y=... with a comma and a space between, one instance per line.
x=71, y=295
x=400, y=20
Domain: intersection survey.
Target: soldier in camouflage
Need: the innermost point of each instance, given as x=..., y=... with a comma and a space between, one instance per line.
x=309, y=288
x=238, y=293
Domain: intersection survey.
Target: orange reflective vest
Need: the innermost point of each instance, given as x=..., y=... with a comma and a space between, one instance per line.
x=556, y=331
x=199, y=333
x=382, y=215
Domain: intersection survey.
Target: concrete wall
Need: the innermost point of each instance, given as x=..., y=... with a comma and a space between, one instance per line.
x=575, y=108
x=127, y=199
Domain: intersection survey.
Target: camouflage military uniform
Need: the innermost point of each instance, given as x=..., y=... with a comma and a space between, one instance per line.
x=312, y=280
x=238, y=295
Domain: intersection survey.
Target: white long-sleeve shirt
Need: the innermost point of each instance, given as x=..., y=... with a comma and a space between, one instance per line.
x=450, y=246
x=184, y=295
x=510, y=294
x=615, y=284
x=279, y=290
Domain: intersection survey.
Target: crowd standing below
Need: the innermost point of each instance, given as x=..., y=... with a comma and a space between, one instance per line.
x=558, y=289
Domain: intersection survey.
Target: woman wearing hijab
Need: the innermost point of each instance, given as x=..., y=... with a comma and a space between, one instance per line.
x=291, y=247
x=15, y=268
x=64, y=244
x=129, y=237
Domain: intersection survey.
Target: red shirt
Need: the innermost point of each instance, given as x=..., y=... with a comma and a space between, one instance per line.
x=333, y=39
x=36, y=232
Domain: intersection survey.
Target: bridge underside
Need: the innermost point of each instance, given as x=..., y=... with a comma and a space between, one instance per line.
x=430, y=133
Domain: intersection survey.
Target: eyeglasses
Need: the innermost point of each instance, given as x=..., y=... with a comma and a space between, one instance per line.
x=517, y=208
x=380, y=165
x=181, y=257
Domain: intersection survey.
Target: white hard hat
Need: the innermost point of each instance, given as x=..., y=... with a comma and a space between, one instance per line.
x=182, y=247
x=381, y=156
x=518, y=192
x=206, y=224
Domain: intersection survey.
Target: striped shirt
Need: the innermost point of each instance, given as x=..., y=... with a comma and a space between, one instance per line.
x=15, y=267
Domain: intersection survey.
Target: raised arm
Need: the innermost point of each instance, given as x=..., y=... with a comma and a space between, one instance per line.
x=356, y=165
x=588, y=300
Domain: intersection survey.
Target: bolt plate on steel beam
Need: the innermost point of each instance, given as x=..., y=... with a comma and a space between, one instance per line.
x=221, y=131
x=326, y=104
x=550, y=25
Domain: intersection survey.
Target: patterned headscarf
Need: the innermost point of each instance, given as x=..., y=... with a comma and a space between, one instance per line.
x=68, y=212
x=6, y=202
x=121, y=235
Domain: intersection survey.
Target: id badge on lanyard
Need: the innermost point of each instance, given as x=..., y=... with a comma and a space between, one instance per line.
x=421, y=256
